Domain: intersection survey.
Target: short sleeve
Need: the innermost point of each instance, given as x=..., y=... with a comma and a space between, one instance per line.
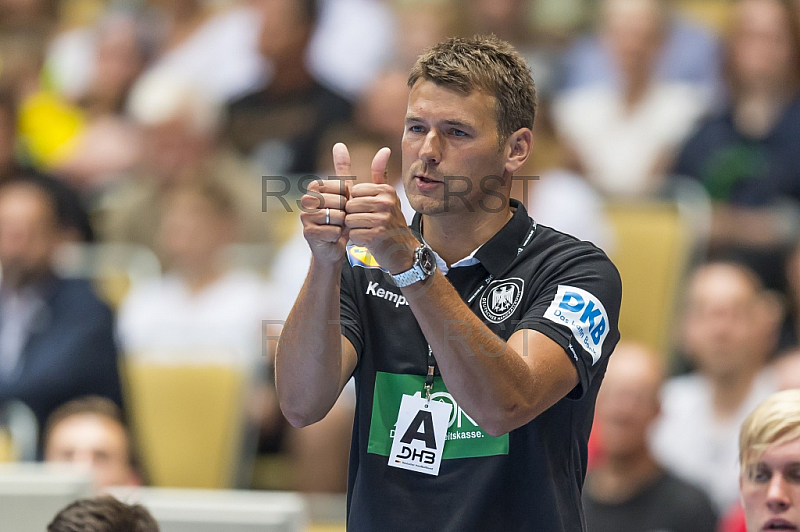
x=578, y=308
x=351, y=320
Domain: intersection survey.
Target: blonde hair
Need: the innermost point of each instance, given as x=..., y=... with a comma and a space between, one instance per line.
x=486, y=63
x=775, y=421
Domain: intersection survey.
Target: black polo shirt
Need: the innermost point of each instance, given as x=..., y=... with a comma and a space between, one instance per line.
x=529, y=277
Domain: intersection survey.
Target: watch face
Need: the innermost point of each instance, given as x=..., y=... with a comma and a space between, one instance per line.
x=426, y=260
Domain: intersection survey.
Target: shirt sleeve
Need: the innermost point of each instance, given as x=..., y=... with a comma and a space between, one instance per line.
x=578, y=308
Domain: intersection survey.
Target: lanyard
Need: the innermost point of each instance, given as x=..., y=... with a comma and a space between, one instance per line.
x=481, y=288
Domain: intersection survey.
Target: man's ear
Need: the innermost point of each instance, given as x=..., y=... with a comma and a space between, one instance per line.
x=518, y=149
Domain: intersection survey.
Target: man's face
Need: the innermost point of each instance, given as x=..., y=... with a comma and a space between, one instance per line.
x=627, y=403
x=770, y=488
x=28, y=234
x=761, y=46
x=452, y=162
x=724, y=322
x=95, y=441
x=192, y=231
x=633, y=34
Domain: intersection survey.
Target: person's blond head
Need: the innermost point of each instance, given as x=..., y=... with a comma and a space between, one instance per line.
x=775, y=421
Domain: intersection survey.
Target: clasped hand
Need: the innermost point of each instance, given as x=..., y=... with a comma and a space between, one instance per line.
x=368, y=214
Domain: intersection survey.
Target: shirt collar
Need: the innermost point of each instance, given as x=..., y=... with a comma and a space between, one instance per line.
x=500, y=250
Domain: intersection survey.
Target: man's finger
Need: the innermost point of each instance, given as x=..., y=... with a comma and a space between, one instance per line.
x=341, y=160
x=379, y=166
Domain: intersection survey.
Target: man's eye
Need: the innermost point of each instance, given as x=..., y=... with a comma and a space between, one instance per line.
x=760, y=476
x=458, y=132
x=415, y=129
x=792, y=474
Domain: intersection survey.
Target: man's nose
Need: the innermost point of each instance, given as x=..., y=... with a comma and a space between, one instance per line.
x=431, y=150
x=778, y=495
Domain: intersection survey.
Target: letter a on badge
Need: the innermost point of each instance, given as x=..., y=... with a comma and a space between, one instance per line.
x=423, y=419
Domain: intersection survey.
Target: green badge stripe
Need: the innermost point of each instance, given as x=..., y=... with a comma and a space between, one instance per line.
x=465, y=439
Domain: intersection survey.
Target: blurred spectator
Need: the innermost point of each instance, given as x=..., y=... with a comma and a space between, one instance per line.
x=353, y=42
x=629, y=490
x=180, y=146
x=746, y=156
x=90, y=431
x=103, y=514
x=28, y=15
x=108, y=143
x=555, y=194
x=729, y=329
x=516, y=21
x=422, y=24
x=280, y=125
x=211, y=45
x=72, y=216
x=56, y=336
x=381, y=107
x=202, y=310
x=624, y=136
x=769, y=453
x=201, y=304
x=690, y=54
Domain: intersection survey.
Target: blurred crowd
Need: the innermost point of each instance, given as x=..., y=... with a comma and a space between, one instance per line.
x=180, y=133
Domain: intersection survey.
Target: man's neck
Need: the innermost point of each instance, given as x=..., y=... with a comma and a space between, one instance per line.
x=290, y=78
x=729, y=393
x=454, y=237
x=758, y=109
x=198, y=279
x=619, y=479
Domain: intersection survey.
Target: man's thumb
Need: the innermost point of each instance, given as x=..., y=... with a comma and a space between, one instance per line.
x=379, y=164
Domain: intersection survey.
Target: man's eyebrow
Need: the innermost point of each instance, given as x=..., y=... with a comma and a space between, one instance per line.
x=452, y=122
x=459, y=123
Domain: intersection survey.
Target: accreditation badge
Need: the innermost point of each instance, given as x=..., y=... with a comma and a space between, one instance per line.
x=419, y=435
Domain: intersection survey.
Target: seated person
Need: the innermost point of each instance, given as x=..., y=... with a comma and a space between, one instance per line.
x=746, y=154
x=103, y=514
x=90, y=431
x=56, y=336
x=629, y=490
x=769, y=455
x=729, y=330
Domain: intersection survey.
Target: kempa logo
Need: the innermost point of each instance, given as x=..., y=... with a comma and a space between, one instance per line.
x=373, y=290
x=501, y=298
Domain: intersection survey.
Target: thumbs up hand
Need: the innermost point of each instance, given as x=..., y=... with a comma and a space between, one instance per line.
x=375, y=219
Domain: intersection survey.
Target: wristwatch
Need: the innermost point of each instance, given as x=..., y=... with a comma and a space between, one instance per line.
x=424, y=266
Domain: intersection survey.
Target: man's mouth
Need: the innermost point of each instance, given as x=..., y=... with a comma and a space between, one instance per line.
x=427, y=179
x=779, y=524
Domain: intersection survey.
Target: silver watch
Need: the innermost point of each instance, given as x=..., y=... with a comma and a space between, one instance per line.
x=424, y=266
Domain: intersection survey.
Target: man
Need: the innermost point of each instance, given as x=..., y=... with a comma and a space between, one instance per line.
x=103, y=514
x=623, y=134
x=769, y=454
x=280, y=126
x=56, y=336
x=730, y=328
x=90, y=431
x=507, y=326
x=629, y=490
